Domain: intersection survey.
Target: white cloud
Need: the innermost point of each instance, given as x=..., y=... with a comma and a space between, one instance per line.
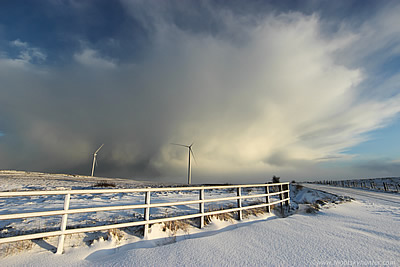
x=375, y=41
x=28, y=54
x=18, y=43
x=268, y=97
x=89, y=57
x=281, y=92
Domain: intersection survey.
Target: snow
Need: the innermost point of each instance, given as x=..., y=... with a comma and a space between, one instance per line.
x=349, y=233
x=361, y=232
x=362, y=194
x=12, y=180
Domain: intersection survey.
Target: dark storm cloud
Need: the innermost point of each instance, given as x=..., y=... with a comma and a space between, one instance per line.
x=124, y=29
x=378, y=167
x=237, y=79
x=384, y=167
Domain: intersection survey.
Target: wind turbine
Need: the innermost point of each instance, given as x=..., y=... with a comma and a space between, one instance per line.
x=94, y=158
x=190, y=152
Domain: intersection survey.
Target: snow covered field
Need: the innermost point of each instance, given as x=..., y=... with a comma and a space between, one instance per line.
x=361, y=232
x=27, y=204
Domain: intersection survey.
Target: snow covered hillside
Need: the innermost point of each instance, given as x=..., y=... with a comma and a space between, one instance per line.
x=24, y=204
x=319, y=232
x=20, y=181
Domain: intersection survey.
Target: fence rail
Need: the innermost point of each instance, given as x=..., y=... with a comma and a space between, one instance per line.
x=368, y=184
x=278, y=189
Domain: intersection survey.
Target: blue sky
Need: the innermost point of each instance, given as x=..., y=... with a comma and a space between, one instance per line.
x=382, y=143
x=300, y=89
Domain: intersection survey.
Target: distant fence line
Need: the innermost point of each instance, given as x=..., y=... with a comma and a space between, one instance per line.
x=278, y=189
x=385, y=186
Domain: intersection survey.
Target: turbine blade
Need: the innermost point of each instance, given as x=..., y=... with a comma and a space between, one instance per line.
x=178, y=145
x=191, y=151
x=99, y=148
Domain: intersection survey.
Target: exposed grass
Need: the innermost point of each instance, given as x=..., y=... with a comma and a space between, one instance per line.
x=104, y=184
x=254, y=212
x=16, y=247
x=299, y=186
x=313, y=208
x=116, y=234
x=175, y=226
x=229, y=216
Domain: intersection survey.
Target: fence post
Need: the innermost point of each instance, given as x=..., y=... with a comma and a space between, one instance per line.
x=287, y=195
x=239, y=203
x=391, y=185
x=281, y=196
x=63, y=226
x=267, y=198
x=146, y=214
x=201, y=206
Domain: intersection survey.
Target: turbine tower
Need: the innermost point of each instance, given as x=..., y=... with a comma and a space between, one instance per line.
x=190, y=152
x=94, y=158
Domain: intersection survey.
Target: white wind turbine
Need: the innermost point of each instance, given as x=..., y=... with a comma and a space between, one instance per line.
x=190, y=152
x=94, y=158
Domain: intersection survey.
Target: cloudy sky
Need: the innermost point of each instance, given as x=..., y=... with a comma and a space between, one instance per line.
x=300, y=89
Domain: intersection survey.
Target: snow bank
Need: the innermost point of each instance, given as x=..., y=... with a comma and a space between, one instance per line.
x=348, y=234
x=356, y=233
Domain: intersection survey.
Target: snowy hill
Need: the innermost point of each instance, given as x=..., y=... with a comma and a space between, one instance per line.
x=319, y=232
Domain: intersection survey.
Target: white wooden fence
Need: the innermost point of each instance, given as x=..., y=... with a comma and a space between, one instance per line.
x=279, y=189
